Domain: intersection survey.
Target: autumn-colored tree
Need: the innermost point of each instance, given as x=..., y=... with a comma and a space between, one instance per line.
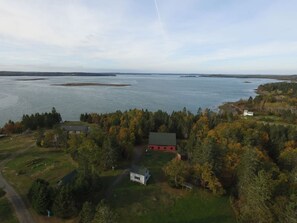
x=177, y=171
x=204, y=175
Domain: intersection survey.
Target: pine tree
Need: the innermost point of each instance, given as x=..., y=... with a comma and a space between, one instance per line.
x=104, y=214
x=40, y=196
x=64, y=205
x=87, y=213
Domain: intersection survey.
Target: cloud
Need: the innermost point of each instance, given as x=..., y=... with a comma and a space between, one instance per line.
x=191, y=36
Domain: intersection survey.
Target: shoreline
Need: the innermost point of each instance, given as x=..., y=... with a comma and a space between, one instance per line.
x=290, y=77
x=250, y=76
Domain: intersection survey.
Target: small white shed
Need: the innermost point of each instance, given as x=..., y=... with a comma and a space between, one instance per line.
x=248, y=113
x=139, y=174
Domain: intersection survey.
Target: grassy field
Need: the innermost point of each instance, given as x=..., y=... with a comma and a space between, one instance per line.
x=49, y=164
x=157, y=202
x=9, y=145
x=28, y=162
x=197, y=206
x=6, y=212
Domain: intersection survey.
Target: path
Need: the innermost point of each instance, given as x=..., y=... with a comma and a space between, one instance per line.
x=14, y=198
x=136, y=157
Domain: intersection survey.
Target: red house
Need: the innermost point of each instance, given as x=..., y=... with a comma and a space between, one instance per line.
x=162, y=141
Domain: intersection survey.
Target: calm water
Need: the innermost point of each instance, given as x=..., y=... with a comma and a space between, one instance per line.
x=148, y=92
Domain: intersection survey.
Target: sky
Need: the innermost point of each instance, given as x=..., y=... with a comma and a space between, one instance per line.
x=163, y=36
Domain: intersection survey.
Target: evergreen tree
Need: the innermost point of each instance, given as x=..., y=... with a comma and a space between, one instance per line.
x=40, y=196
x=108, y=155
x=250, y=164
x=208, y=152
x=2, y=192
x=258, y=199
x=64, y=204
x=87, y=213
x=104, y=214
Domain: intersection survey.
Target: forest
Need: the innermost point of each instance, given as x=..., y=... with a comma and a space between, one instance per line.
x=251, y=161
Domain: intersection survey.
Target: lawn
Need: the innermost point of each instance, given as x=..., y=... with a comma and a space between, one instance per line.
x=197, y=206
x=29, y=162
x=47, y=164
x=11, y=144
x=6, y=212
x=157, y=202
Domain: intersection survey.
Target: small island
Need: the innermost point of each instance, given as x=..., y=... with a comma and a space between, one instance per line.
x=91, y=84
x=32, y=79
x=188, y=76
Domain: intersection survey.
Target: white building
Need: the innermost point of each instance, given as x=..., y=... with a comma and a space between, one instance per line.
x=139, y=174
x=248, y=113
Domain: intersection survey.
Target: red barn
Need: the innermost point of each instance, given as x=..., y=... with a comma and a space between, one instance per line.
x=162, y=141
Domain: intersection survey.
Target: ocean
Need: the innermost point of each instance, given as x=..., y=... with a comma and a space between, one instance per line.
x=166, y=92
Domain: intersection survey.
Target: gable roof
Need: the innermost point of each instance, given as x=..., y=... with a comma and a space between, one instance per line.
x=139, y=170
x=75, y=128
x=162, y=139
x=68, y=178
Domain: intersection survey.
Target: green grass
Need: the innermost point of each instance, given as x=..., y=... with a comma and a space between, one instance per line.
x=29, y=162
x=14, y=143
x=157, y=202
x=49, y=164
x=197, y=206
x=6, y=212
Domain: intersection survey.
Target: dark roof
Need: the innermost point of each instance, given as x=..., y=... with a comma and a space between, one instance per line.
x=75, y=128
x=139, y=170
x=68, y=178
x=162, y=139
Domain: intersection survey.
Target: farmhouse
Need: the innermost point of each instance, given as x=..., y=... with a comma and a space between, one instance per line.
x=76, y=129
x=139, y=174
x=248, y=113
x=162, y=141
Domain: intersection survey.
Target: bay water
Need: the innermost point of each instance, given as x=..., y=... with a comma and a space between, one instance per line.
x=152, y=92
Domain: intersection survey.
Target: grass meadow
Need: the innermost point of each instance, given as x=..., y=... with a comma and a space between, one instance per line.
x=155, y=202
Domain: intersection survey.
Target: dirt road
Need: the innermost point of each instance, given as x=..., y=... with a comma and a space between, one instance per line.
x=137, y=153
x=14, y=198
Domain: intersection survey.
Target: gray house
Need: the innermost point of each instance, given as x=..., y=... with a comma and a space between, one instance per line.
x=76, y=129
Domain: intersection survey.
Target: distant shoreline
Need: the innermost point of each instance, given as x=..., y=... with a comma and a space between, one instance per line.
x=90, y=84
x=53, y=74
x=249, y=76
x=292, y=77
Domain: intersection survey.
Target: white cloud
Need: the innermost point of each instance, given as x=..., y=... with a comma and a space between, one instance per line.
x=129, y=35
